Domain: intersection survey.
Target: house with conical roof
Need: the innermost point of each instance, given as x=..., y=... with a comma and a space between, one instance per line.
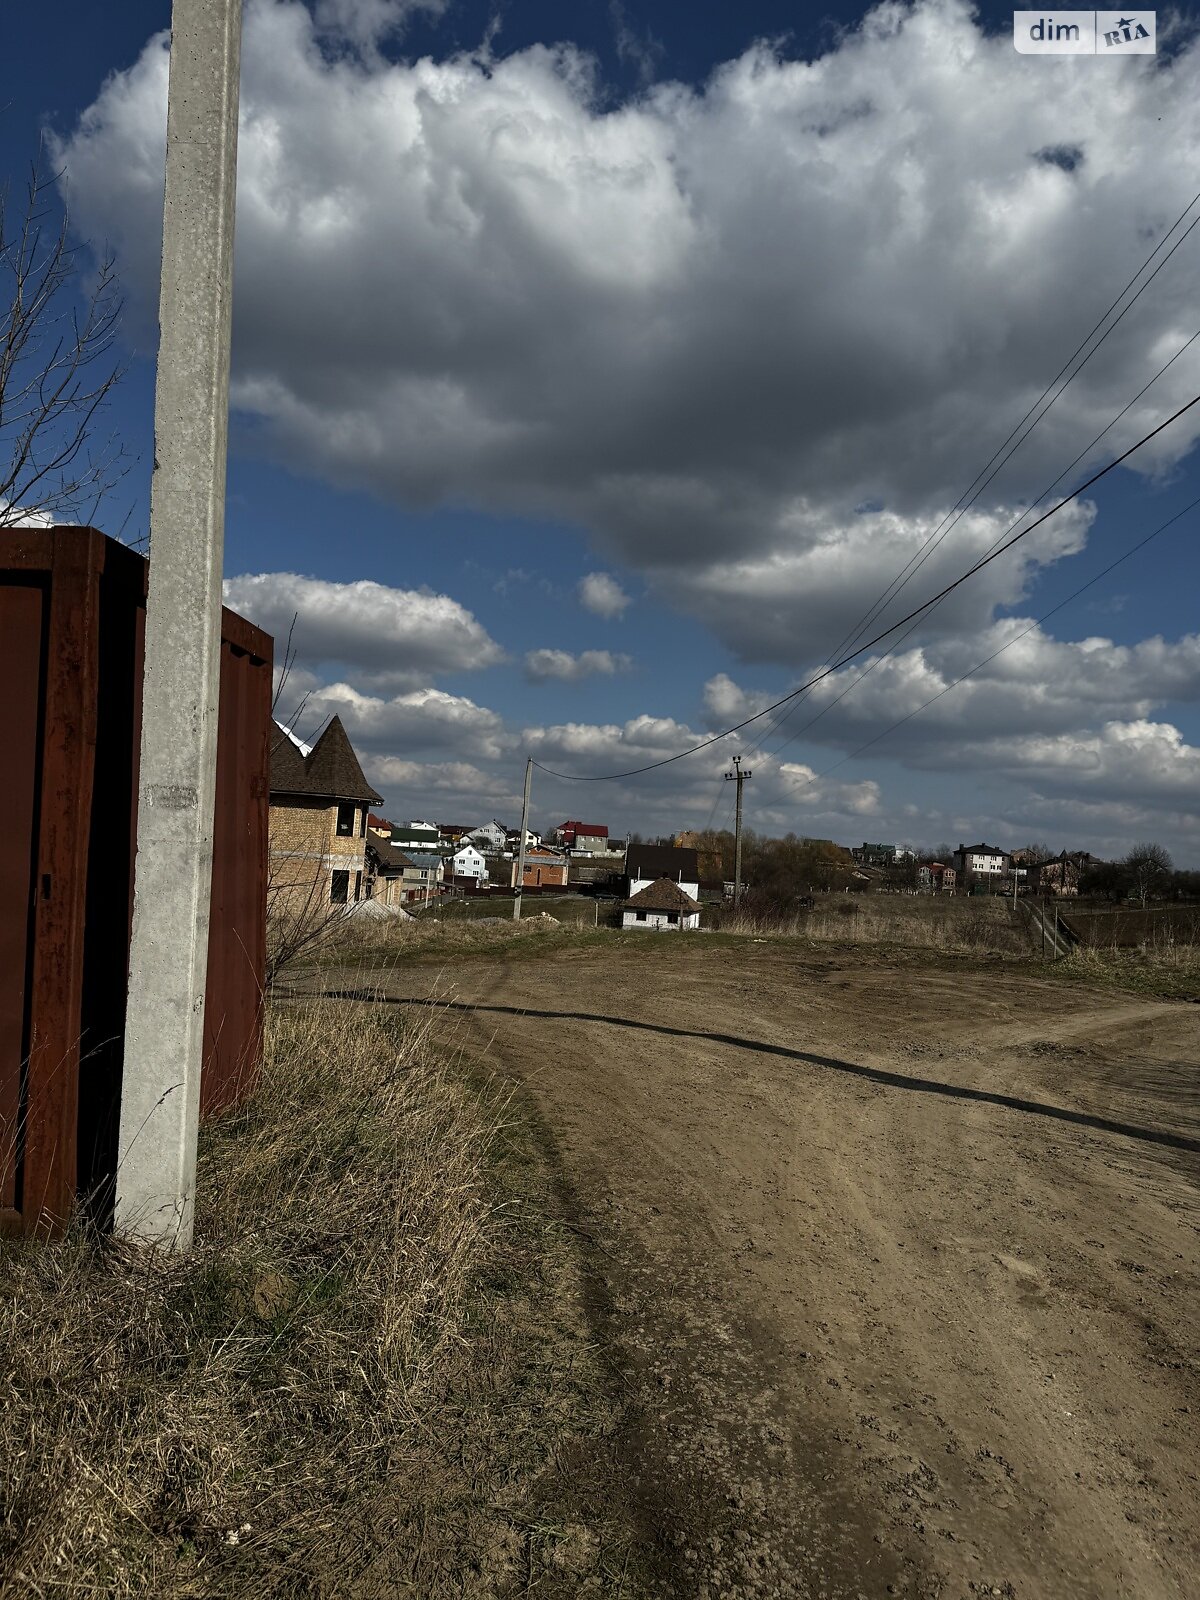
x=320, y=801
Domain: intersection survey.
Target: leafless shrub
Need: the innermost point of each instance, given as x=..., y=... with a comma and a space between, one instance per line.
x=301, y=918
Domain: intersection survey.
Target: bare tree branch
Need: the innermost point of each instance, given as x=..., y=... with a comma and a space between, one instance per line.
x=57, y=365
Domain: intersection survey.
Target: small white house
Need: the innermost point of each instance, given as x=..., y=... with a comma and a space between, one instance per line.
x=468, y=863
x=661, y=907
x=646, y=864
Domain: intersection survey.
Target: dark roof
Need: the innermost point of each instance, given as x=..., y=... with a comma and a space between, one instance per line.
x=662, y=861
x=391, y=859
x=663, y=895
x=330, y=771
x=590, y=830
x=982, y=850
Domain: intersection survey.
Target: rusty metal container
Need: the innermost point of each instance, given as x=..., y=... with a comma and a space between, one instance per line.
x=72, y=621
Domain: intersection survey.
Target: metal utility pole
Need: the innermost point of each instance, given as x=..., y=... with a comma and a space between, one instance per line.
x=521, y=846
x=739, y=777
x=168, y=958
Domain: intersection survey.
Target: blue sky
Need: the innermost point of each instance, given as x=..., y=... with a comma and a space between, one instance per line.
x=727, y=305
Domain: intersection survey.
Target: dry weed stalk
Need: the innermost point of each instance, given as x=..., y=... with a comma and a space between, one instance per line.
x=185, y=1426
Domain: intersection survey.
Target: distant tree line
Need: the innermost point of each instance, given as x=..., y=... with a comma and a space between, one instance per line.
x=1146, y=873
x=780, y=874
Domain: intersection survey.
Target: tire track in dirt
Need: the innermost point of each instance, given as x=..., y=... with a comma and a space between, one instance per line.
x=880, y=1341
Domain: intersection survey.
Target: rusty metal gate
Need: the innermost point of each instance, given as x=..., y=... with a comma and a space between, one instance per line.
x=72, y=621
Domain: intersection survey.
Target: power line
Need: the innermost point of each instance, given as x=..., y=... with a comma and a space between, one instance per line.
x=936, y=538
x=980, y=481
x=936, y=599
x=892, y=648
x=1008, y=644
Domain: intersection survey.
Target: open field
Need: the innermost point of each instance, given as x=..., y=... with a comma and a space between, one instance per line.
x=893, y=1253
x=1128, y=927
x=974, y=923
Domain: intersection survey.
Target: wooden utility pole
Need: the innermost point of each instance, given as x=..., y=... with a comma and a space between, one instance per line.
x=168, y=954
x=739, y=777
x=521, y=845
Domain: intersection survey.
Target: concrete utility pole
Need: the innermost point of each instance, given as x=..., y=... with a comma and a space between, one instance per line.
x=739, y=777
x=168, y=958
x=521, y=846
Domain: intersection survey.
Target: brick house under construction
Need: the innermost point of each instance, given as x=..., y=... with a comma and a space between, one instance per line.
x=318, y=821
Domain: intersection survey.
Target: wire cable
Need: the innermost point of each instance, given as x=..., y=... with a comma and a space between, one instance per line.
x=1007, y=645
x=964, y=503
x=907, y=634
x=704, y=744
x=968, y=498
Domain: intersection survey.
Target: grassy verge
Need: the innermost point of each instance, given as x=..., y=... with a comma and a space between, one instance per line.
x=362, y=1380
x=958, y=925
x=1165, y=974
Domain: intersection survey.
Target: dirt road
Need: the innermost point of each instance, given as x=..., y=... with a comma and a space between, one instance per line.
x=899, y=1259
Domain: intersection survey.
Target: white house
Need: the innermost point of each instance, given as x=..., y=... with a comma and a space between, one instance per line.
x=661, y=907
x=512, y=839
x=468, y=863
x=647, y=863
x=490, y=837
x=416, y=836
x=981, y=862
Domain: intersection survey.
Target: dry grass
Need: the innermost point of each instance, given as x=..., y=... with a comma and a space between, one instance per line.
x=428, y=937
x=1166, y=930
x=965, y=925
x=1169, y=971
x=208, y=1425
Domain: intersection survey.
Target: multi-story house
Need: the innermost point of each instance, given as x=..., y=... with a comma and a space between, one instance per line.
x=1061, y=876
x=981, y=866
x=512, y=839
x=318, y=822
x=467, y=862
x=582, y=838
x=416, y=836
x=489, y=838
x=936, y=875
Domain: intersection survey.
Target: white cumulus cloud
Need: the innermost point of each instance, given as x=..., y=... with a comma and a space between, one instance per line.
x=568, y=668
x=714, y=325
x=399, y=636
x=600, y=592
